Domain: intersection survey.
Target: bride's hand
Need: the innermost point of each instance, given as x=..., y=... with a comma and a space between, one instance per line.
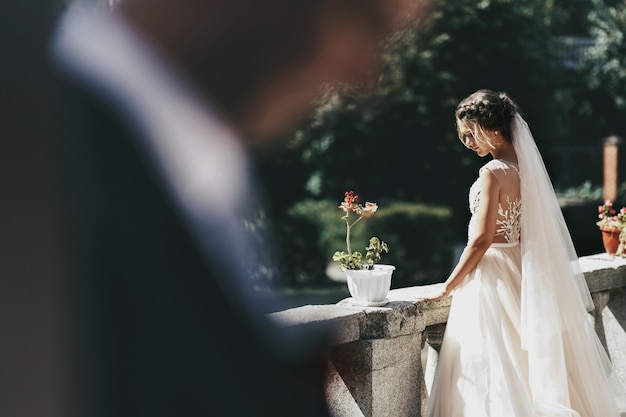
x=435, y=292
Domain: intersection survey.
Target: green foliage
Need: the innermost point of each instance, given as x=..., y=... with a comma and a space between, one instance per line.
x=419, y=236
x=347, y=261
x=374, y=249
x=355, y=260
x=585, y=192
x=589, y=100
x=607, y=59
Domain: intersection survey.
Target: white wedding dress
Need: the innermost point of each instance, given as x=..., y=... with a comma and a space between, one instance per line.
x=486, y=368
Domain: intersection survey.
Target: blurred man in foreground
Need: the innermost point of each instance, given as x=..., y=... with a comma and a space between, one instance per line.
x=160, y=100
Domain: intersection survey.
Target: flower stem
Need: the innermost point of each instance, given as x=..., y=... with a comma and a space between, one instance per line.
x=349, y=226
x=348, y=237
x=356, y=221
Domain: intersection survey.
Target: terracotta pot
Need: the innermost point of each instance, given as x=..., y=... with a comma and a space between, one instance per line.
x=610, y=239
x=370, y=287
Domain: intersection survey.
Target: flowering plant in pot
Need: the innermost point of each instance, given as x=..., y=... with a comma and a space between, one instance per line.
x=368, y=281
x=612, y=224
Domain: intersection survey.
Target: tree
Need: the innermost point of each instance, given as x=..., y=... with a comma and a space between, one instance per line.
x=399, y=141
x=607, y=59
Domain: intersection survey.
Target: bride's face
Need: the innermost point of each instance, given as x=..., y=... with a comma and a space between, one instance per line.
x=481, y=141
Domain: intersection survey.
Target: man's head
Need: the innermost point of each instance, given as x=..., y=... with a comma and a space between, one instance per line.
x=261, y=63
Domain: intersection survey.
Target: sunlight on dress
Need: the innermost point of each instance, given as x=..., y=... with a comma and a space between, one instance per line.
x=483, y=368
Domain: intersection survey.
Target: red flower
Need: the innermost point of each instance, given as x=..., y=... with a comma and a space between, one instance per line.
x=350, y=202
x=350, y=197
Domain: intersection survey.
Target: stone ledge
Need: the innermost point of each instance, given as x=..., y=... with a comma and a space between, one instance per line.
x=603, y=272
x=402, y=315
x=433, y=312
x=405, y=314
x=393, y=320
x=343, y=324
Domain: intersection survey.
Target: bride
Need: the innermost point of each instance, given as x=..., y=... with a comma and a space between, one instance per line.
x=518, y=341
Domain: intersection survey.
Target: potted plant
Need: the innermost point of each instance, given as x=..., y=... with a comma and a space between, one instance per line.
x=368, y=280
x=612, y=225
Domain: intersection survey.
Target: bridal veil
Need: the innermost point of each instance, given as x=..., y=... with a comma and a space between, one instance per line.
x=568, y=367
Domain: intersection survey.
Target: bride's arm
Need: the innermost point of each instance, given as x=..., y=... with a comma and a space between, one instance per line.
x=482, y=237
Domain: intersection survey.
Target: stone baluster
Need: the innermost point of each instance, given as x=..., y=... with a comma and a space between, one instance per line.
x=600, y=301
x=433, y=337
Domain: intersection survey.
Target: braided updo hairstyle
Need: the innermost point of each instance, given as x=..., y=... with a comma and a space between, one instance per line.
x=486, y=110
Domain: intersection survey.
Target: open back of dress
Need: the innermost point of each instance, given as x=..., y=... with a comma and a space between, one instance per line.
x=509, y=204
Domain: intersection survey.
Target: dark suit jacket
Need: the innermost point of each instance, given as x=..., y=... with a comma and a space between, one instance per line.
x=157, y=328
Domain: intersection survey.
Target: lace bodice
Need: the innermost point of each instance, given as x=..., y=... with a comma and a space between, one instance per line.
x=509, y=205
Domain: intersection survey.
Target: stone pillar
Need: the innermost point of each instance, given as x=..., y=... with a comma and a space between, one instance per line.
x=376, y=378
x=610, y=159
x=600, y=300
x=434, y=338
x=614, y=327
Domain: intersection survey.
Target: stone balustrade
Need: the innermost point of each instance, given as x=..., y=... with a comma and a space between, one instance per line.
x=376, y=355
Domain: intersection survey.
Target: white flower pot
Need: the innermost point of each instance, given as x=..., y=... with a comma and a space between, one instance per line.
x=369, y=287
